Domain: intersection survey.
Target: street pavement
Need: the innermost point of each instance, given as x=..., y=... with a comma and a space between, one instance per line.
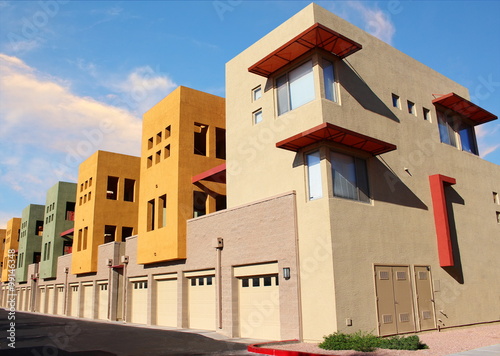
x=43, y=335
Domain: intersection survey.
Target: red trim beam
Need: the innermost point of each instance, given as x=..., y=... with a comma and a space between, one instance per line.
x=316, y=36
x=445, y=250
x=464, y=107
x=330, y=132
x=216, y=174
x=68, y=232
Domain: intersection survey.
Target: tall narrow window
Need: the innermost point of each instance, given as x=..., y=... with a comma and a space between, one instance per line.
x=257, y=93
x=200, y=139
x=199, y=203
x=162, y=211
x=149, y=162
x=39, y=228
x=329, y=80
x=48, y=250
x=127, y=232
x=112, y=188
x=220, y=202
x=446, y=132
x=350, y=178
x=314, y=175
x=295, y=88
x=220, y=143
x=158, y=137
x=70, y=210
x=129, y=190
x=257, y=116
x=395, y=101
x=166, y=151
x=411, y=108
x=79, y=246
x=151, y=215
x=467, y=139
x=109, y=233
x=167, y=132
x=150, y=143
x=85, y=235
x=427, y=114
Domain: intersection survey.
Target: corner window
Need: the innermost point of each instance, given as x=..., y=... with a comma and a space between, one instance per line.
x=350, y=179
x=457, y=133
x=314, y=175
x=329, y=80
x=295, y=88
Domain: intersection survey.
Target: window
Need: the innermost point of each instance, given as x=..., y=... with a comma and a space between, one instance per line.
x=150, y=143
x=411, y=108
x=257, y=116
x=162, y=211
x=79, y=246
x=109, y=233
x=257, y=93
x=395, y=101
x=39, y=228
x=158, y=137
x=129, y=190
x=329, y=80
x=314, y=175
x=244, y=282
x=81, y=199
x=166, y=151
x=81, y=190
x=127, y=232
x=200, y=139
x=151, y=215
x=167, y=132
x=112, y=188
x=70, y=210
x=158, y=157
x=90, y=195
x=220, y=143
x=496, y=198
x=498, y=217
x=149, y=162
x=427, y=114
x=86, y=184
x=453, y=131
x=199, y=203
x=350, y=179
x=220, y=202
x=295, y=88
x=85, y=235
x=48, y=250
x=90, y=181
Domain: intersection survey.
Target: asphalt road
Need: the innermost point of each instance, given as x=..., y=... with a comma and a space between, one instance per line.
x=42, y=335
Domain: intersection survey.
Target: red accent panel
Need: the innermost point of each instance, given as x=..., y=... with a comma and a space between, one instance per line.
x=68, y=232
x=437, y=182
x=465, y=108
x=257, y=348
x=216, y=174
x=329, y=132
x=117, y=266
x=315, y=36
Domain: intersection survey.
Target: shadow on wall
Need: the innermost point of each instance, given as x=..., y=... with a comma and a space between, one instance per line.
x=387, y=187
x=452, y=197
x=357, y=87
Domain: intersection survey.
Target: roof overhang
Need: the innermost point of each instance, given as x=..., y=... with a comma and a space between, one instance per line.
x=216, y=174
x=67, y=232
x=316, y=36
x=464, y=107
x=333, y=133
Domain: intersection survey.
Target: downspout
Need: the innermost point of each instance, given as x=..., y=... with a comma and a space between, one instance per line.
x=125, y=264
x=66, y=271
x=219, y=244
x=109, y=289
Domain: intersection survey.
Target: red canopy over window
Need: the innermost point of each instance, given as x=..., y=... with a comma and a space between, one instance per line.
x=465, y=108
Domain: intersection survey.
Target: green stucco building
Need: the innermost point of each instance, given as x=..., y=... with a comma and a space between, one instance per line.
x=30, y=240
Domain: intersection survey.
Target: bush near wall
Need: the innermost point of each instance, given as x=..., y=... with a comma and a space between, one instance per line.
x=367, y=342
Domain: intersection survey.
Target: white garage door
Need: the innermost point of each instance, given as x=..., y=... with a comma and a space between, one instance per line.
x=102, y=297
x=259, y=307
x=138, y=302
x=201, y=295
x=60, y=300
x=73, y=300
x=166, y=302
x=50, y=300
x=88, y=301
x=41, y=300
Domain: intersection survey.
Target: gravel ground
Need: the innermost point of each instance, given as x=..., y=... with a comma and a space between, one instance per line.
x=446, y=342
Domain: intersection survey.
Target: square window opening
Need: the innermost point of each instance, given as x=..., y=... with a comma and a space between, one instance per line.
x=112, y=188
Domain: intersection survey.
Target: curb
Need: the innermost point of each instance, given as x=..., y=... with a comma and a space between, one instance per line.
x=261, y=348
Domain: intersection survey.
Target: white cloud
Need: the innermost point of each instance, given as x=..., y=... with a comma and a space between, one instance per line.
x=487, y=138
x=47, y=130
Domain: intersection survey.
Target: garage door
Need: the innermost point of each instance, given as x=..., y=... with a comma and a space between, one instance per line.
x=50, y=300
x=60, y=300
x=27, y=300
x=41, y=300
x=102, y=299
x=73, y=300
x=20, y=299
x=259, y=307
x=88, y=301
x=138, y=302
x=201, y=304
x=166, y=302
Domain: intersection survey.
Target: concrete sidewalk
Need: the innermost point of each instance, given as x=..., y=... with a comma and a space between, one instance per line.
x=483, y=351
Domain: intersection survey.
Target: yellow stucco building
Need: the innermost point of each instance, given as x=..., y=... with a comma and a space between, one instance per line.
x=11, y=243
x=183, y=149
x=106, y=205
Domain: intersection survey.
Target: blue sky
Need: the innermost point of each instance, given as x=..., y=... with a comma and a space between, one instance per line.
x=76, y=76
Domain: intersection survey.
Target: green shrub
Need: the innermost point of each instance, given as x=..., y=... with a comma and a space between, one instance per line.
x=366, y=342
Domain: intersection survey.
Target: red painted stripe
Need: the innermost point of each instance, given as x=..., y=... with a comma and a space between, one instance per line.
x=259, y=349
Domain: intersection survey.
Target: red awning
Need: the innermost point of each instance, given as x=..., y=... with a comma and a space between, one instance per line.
x=216, y=174
x=315, y=36
x=329, y=132
x=465, y=108
x=68, y=232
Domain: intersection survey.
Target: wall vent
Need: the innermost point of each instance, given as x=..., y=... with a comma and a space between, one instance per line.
x=426, y=314
x=383, y=275
x=387, y=318
x=404, y=317
x=401, y=276
x=422, y=275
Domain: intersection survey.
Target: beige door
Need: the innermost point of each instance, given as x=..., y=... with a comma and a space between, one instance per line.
x=73, y=301
x=425, y=299
x=138, y=302
x=27, y=299
x=60, y=300
x=201, y=304
x=166, y=302
x=259, y=312
x=394, y=300
x=41, y=300
x=20, y=299
x=50, y=300
x=102, y=296
x=88, y=301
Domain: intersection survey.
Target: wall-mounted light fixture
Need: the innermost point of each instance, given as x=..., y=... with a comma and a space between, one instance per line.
x=286, y=273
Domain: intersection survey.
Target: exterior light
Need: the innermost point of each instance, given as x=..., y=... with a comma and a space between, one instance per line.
x=286, y=273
